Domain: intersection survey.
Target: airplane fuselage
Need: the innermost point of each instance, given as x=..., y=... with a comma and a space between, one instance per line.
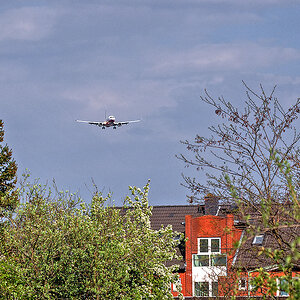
x=110, y=122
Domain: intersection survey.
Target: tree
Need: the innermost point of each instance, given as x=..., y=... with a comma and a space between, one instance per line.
x=283, y=250
x=58, y=247
x=243, y=146
x=252, y=160
x=8, y=177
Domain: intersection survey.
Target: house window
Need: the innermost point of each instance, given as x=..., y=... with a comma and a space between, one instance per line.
x=209, y=253
x=258, y=239
x=243, y=284
x=203, y=245
x=218, y=260
x=283, y=288
x=215, y=291
x=201, y=260
x=209, y=245
x=206, y=289
x=175, y=285
x=201, y=289
x=215, y=245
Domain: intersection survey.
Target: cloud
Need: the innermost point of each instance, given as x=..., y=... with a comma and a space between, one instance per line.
x=12, y=72
x=173, y=3
x=223, y=57
x=125, y=96
x=27, y=23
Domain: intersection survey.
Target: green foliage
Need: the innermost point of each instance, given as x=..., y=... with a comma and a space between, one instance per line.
x=285, y=260
x=252, y=160
x=58, y=247
x=264, y=283
x=286, y=255
x=8, y=178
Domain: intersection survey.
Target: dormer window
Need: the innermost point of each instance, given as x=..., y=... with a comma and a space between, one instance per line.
x=258, y=239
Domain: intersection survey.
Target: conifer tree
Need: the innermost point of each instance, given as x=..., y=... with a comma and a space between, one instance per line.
x=8, y=177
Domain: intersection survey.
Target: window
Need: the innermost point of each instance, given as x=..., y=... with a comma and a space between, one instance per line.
x=258, y=239
x=201, y=289
x=215, y=245
x=215, y=291
x=218, y=260
x=283, y=287
x=209, y=245
x=201, y=260
x=243, y=284
x=178, y=283
x=251, y=284
x=206, y=289
x=209, y=253
x=203, y=245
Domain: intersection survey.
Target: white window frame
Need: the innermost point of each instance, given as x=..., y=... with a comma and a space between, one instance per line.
x=209, y=245
x=209, y=253
x=243, y=288
x=255, y=242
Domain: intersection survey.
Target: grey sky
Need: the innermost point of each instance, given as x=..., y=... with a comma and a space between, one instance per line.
x=67, y=60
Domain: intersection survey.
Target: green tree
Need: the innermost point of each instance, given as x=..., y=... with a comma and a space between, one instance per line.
x=252, y=159
x=58, y=247
x=8, y=177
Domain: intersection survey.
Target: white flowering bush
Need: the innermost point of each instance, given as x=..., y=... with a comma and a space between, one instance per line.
x=59, y=247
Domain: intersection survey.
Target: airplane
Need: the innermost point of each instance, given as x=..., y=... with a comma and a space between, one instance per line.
x=110, y=122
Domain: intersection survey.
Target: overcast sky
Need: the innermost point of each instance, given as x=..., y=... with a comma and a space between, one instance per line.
x=65, y=60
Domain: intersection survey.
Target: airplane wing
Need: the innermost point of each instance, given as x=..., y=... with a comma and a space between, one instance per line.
x=127, y=122
x=91, y=122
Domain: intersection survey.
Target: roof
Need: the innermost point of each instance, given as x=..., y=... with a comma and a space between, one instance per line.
x=249, y=255
x=173, y=215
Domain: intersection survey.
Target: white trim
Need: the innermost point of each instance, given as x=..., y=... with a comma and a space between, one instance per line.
x=209, y=245
x=238, y=248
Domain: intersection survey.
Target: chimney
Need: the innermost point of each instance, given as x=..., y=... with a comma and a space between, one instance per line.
x=211, y=204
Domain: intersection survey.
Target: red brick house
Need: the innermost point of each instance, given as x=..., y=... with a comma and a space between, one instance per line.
x=210, y=259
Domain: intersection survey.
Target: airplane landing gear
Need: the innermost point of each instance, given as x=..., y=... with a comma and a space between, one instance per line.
x=103, y=127
x=115, y=127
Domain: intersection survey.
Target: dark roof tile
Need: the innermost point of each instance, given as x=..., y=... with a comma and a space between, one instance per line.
x=172, y=215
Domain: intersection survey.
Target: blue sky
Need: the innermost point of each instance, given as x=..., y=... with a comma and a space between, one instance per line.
x=67, y=60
